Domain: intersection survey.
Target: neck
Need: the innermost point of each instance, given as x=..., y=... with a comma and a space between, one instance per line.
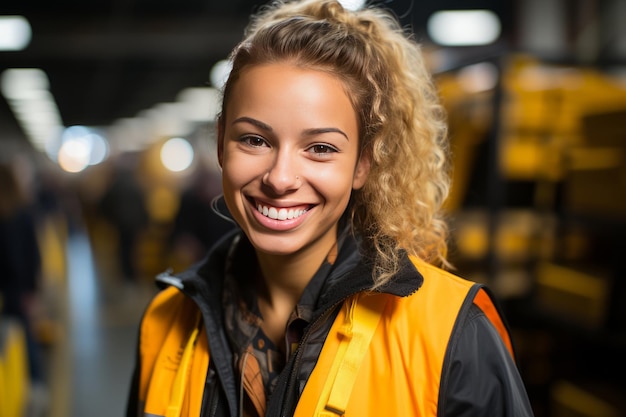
x=282, y=282
x=285, y=277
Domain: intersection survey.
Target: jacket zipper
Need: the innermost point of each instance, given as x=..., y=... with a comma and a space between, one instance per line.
x=214, y=398
x=288, y=397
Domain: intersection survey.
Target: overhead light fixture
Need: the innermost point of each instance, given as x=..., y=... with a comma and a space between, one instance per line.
x=177, y=154
x=15, y=33
x=352, y=4
x=464, y=27
x=81, y=146
x=220, y=72
x=28, y=94
x=130, y=134
x=167, y=119
x=201, y=104
x=23, y=83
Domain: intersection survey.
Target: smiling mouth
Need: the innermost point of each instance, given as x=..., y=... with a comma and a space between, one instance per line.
x=280, y=213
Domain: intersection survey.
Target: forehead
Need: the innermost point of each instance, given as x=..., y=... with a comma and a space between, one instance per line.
x=287, y=84
x=293, y=69
x=287, y=64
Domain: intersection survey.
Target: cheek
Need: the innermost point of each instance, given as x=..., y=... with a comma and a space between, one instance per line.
x=237, y=169
x=233, y=180
x=335, y=183
x=232, y=184
x=230, y=176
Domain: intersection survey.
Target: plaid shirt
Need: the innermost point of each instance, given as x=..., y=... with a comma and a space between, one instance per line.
x=257, y=360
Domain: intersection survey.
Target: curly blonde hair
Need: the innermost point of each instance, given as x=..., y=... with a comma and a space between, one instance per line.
x=402, y=124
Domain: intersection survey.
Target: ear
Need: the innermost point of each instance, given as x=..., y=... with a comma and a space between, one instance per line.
x=362, y=170
x=220, y=140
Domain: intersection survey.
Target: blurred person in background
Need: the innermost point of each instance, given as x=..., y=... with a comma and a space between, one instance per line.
x=123, y=205
x=20, y=265
x=196, y=225
x=331, y=300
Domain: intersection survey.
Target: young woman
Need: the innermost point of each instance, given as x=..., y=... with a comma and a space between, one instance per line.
x=327, y=301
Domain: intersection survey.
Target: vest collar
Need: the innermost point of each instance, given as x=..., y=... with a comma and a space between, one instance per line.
x=352, y=273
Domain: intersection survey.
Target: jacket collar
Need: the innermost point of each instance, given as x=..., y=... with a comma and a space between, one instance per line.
x=351, y=273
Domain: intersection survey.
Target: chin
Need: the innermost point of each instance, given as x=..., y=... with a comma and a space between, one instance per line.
x=276, y=247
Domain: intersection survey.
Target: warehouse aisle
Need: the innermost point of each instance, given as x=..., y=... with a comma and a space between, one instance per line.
x=91, y=370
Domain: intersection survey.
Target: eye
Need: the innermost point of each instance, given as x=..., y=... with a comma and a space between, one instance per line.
x=320, y=149
x=254, y=141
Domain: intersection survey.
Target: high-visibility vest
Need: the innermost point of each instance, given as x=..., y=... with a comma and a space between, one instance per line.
x=392, y=365
x=384, y=354
x=174, y=357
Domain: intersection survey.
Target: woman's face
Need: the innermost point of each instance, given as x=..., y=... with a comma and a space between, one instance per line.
x=289, y=153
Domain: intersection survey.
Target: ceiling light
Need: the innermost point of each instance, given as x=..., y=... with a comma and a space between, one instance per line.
x=464, y=27
x=28, y=95
x=74, y=155
x=201, y=104
x=15, y=33
x=220, y=72
x=83, y=139
x=177, y=154
x=352, y=4
x=22, y=83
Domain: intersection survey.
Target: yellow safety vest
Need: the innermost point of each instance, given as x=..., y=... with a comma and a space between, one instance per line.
x=384, y=354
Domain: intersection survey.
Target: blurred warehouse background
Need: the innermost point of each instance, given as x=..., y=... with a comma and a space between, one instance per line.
x=107, y=172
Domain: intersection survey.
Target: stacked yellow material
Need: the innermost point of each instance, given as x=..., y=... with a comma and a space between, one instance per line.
x=13, y=369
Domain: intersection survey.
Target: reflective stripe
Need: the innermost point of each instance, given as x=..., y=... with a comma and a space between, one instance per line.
x=360, y=326
x=182, y=374
x=169, y=334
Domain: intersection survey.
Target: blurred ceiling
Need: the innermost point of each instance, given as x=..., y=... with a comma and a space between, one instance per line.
x=109, y=59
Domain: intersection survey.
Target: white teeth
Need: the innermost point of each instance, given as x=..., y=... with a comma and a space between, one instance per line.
x=279, y=214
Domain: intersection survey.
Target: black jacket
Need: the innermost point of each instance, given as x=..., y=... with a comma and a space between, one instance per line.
x=351, y=274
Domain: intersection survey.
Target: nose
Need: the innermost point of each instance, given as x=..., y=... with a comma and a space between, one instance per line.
x=282, y=176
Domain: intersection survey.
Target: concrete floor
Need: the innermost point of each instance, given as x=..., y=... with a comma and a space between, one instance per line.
x=90, y=364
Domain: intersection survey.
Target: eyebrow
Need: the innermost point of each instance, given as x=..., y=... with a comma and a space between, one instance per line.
x=321, y=130
x=307, y=132
x=254, y=122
